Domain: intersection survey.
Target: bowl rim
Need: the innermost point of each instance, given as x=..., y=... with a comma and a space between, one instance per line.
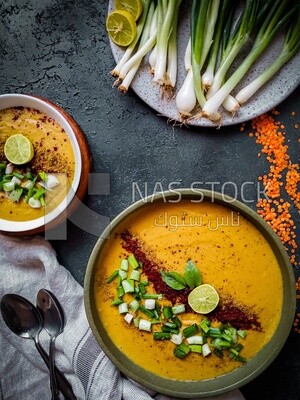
x=223, y=383
x=46, y=106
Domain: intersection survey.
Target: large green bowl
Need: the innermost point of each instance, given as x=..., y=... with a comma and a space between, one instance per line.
x=220, y=384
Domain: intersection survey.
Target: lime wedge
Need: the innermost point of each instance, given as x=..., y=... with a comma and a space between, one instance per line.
x=18, y=149
x=203, y=299
x=134, y=7
x=121, y=27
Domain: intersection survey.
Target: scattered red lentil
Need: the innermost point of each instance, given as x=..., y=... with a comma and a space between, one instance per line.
x=280, y=182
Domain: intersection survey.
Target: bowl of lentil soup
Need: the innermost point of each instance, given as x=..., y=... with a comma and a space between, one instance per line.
x=41, y=186
x=138, y=286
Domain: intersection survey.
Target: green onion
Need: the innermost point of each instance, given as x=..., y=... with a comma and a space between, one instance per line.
x=242, y=333
x=182, y=350
x=238, y=39
x=147, y=312
x=15, y=195
x=195, y=348
x=123, y=308
x=39, y=193
x=176, y=321
x=164, y=28
x=198, y=20
x=290, y=47
x=161, y=336
x=112, y=276
x=190, y=330
x=219, y=353
x=8, y=186
x=127, y=286
x=122, y=274
x=133, y=261
x=135, y=275
x=178, y=309
x=43, y=176
x=152, y=296
x=145, y=325
x=116, y=302
x=167, y=312
x=204, y=325
x=18, y=175
x=120, y=291
x=124, y=264
x=134, y=305
x=276, y=18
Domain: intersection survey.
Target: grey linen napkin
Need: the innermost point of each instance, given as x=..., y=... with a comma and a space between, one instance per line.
x=27, y=265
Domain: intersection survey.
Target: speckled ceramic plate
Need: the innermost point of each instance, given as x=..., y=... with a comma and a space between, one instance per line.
x=273, y=93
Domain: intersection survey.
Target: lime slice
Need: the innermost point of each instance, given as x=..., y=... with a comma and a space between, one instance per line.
x=203, y=299
x=121, y=27
x=134, y=7
x=18, y=149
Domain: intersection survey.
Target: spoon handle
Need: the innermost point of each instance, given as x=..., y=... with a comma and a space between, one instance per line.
x=62, y=382
x=53, y=383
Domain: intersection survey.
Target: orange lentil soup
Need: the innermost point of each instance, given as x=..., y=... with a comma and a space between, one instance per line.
x=232, y=255
x=53, y=154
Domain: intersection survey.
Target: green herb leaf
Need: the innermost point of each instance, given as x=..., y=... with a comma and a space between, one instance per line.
x=171, y=279
x=192, y=275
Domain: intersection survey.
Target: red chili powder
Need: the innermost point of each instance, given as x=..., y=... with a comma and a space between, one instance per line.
x=226, y=312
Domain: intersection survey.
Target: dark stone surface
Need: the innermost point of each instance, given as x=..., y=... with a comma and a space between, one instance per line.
x=58, y=49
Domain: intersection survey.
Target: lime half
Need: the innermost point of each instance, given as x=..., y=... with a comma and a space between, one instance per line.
x=18, y=149
x=134, y=7
x=121, y=27
x=203, y=299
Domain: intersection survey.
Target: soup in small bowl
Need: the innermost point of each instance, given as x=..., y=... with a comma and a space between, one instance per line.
x=191, y=295
x=44, y=163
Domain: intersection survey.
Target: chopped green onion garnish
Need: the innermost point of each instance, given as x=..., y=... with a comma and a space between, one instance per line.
x=135, y=275
x=134, y=305
x=132, y=261
x=112, y=276
x=178, y=309
x=190, y=330
x=8, y=186
x=123, y=308
x=182, y=350
x=161, y=336
x=124, y=264
x=127, y=286
x=195, y=348
x=122, y=274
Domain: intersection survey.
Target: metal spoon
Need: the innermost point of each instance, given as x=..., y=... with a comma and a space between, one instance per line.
x=54, y=323
x=22, y=318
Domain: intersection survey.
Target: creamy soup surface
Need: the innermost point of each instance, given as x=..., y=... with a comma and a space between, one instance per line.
x=53, y=154
x=231, y=254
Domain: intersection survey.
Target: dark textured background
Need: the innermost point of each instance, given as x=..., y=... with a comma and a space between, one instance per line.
x=58, y=49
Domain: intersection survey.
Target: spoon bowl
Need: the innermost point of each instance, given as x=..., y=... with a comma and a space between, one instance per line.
x=54, y=323
x=21, y=316
x=24, y=319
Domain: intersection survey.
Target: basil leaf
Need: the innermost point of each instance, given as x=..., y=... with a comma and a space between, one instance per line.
x=170, y=279
x=192, y=275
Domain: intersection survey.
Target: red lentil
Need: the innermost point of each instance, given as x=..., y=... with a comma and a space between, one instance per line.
x=276, y=210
